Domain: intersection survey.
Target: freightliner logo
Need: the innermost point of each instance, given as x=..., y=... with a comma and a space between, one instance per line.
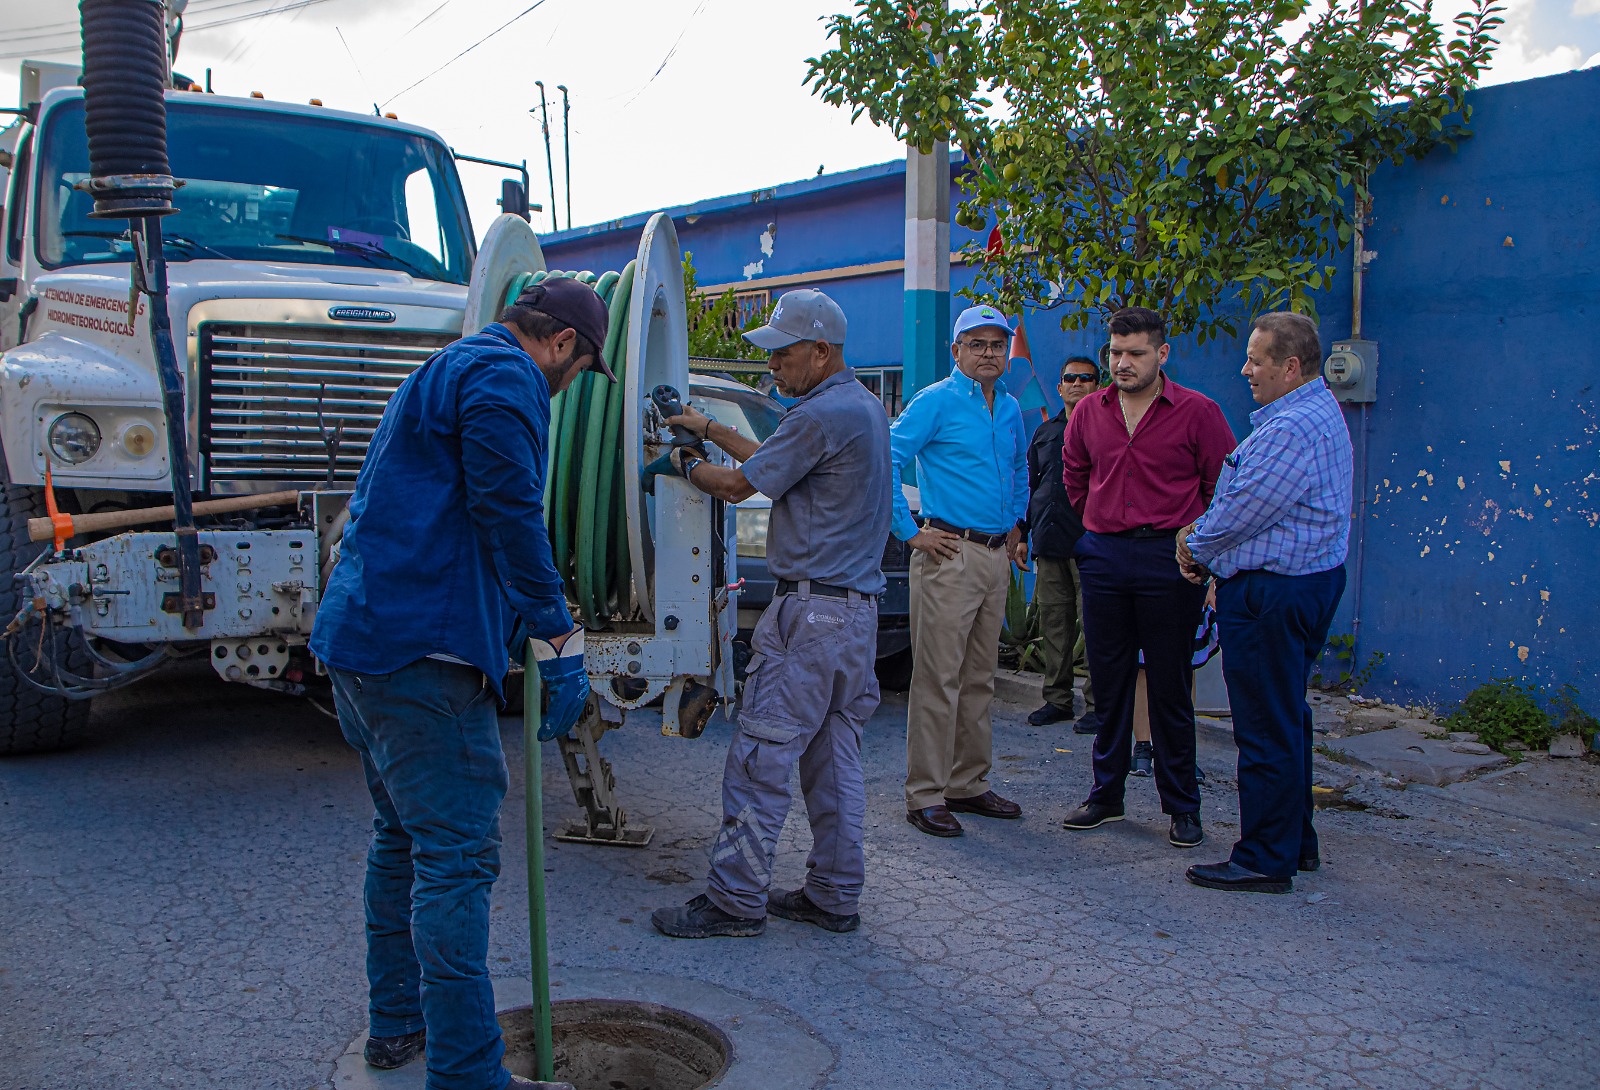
x=360, y=314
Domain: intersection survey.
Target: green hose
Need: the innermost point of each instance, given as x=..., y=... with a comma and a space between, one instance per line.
x=584, y=490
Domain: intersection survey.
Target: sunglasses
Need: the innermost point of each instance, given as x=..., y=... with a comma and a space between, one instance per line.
x=1074, y=378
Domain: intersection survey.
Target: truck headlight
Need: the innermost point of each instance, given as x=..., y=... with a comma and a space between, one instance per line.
x=750, y=530
x=74, y=438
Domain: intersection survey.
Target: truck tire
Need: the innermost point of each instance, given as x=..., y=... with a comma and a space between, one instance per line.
x=30, y=721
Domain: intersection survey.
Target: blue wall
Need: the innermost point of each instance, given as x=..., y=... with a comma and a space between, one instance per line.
x=1482, y=513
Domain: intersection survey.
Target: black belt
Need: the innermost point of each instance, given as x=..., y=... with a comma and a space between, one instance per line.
x=1145, y=531
x=822, y=590
x=992, y=541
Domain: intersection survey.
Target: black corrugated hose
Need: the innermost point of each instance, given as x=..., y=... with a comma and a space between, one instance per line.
x=125, y=109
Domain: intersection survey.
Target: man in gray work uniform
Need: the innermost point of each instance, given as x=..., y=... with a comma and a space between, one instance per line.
x=810, y=685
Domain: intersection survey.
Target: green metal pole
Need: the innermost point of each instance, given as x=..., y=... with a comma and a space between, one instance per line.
x=533, y=793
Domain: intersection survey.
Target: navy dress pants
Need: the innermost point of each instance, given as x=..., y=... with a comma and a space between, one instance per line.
x=1273, y=627
x=1135, y=598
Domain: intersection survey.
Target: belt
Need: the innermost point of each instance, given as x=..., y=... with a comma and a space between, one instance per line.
x=822, y=590
x=992, y=541
x=1145, y=531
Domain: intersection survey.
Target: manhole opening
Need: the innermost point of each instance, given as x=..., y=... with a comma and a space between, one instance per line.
x=609, y=1044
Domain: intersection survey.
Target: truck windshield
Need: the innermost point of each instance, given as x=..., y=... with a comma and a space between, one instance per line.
x=261, y=186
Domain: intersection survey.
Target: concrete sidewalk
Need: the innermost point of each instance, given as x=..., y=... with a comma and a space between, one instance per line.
x=183, y=909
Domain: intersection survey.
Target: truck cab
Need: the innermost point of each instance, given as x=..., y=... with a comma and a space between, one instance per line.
x=315, y=259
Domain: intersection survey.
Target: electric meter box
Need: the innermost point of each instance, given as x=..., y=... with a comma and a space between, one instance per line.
x=1352, y=371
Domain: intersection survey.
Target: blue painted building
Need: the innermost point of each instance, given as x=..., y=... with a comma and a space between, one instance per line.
x=1478, y=468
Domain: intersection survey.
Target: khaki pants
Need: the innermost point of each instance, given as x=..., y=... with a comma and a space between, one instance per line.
x=957, y=610
x=1060, y=602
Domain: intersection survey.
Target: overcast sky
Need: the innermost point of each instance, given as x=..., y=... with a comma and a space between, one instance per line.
x=672, y=100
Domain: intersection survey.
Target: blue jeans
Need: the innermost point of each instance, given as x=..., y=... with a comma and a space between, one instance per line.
x=1273, y=627
x=430, y=747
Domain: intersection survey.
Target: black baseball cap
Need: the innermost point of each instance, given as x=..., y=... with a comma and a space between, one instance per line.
x=575, y=303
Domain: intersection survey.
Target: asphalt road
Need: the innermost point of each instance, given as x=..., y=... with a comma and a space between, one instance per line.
x=180, y=907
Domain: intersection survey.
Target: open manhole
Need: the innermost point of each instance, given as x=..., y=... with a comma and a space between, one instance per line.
x=610, y=1044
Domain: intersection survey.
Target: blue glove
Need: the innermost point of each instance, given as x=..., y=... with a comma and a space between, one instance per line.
x=565, y=684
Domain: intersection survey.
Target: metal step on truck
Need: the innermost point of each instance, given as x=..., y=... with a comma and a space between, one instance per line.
x=314, y=260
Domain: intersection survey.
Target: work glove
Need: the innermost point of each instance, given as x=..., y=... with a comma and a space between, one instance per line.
x=670, y=464
x=565, y=684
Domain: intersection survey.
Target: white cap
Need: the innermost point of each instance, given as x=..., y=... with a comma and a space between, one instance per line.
x=804, y=314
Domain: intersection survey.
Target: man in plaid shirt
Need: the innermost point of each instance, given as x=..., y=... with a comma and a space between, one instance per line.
x=1275, y=537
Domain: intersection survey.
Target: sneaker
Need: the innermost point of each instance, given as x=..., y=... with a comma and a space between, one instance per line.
x=1144, y=760
x=388, y=1053
x=793, y=904
x=1050, y=713
x=1088, y=723
x=700, y=919
x=1091, y=815
x=1185, y=832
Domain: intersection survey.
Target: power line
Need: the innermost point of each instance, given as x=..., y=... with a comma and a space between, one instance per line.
x=469, y=49
x=71, y=29
x=73, y=44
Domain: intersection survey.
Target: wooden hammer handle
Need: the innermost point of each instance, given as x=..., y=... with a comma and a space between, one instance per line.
x=40, y=529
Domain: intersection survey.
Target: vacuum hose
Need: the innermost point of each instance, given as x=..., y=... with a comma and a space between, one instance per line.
x=125, y=109
x=584, y=496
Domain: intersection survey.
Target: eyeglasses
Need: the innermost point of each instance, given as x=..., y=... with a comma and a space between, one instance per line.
x=986, y=348
x=1077, y=377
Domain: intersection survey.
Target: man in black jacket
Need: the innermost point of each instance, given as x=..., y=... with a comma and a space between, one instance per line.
x=1055, y=529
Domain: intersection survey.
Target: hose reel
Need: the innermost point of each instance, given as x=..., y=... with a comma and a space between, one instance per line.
x=602, y=524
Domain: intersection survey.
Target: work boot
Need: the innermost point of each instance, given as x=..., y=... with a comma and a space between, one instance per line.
x=1050, y=713
x=700, y=919
x=1185, y=831
x=1144, y=759
x=388, y=1053
x=793, y=904
x=519, y=1083
x=1088, y=723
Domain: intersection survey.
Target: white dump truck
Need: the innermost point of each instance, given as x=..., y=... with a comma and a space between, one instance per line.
x=315, y=260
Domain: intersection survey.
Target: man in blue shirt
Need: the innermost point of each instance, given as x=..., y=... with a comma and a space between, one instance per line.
x=446, y=541
x=967, y=437
x=1275, y=537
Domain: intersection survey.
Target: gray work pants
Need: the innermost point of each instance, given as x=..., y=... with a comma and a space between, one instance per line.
x=809, y=689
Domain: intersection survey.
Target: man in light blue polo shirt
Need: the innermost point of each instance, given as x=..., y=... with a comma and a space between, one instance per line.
x=970, y=445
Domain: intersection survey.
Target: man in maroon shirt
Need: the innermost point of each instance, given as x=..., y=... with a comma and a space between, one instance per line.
x=1140, y=461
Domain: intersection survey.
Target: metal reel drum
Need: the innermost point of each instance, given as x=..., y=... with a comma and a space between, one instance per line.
x=509, y=249
x=658, y=352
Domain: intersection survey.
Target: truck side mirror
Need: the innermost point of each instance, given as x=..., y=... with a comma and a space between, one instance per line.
x=8, y=288
x=514, y=198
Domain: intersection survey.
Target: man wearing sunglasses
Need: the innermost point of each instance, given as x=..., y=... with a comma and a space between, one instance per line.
x=970, y=446
x=446, y=541
x=1054, y=529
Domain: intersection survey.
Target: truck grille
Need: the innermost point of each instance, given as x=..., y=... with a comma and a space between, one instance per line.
x=261, y=386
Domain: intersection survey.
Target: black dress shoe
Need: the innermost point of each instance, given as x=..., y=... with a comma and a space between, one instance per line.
x=987, y=804
x=1309, y=863
x=1185, y=831
x=1091, y=815
x=1230, y=876
x=1088, y=723
x=1050, y=713
x=793, y=904
x=935, y=821
x=388, y=1053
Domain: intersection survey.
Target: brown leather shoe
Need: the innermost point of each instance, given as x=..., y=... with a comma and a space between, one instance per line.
x=987, y=804
x=935, y=821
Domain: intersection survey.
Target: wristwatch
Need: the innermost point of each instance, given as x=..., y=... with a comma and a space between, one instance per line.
x=688, y=466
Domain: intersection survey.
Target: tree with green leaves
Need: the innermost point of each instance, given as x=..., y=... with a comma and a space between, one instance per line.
x=714, y=330
x=1200, y=157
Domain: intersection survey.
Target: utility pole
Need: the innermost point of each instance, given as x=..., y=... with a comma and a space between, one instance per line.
x=549, y=164
x=566, y=147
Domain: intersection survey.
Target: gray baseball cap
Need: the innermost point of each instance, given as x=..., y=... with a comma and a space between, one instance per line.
x=804, y=314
